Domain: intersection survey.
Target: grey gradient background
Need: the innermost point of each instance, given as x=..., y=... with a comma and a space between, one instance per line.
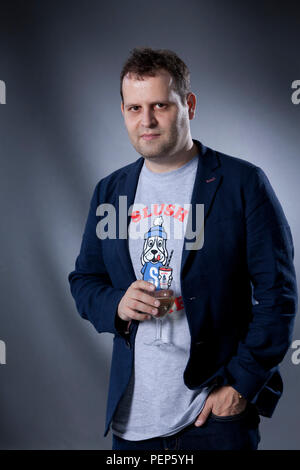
x=61, y=131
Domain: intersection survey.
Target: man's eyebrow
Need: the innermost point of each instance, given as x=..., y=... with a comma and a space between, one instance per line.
x=154, y=102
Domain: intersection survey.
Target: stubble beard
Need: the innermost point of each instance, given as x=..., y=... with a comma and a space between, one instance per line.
x=155, y=150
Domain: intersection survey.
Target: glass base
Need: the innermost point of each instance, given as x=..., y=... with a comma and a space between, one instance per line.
x=161, y=344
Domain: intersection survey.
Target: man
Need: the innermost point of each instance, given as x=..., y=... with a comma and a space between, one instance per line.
x=215, y=369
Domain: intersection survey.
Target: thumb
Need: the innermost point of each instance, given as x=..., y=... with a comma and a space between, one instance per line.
x=203, y=415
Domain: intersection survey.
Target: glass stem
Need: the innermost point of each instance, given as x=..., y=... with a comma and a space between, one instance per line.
x=159, y=328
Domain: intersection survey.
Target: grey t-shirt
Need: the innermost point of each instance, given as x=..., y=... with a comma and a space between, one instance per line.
x=156, y=401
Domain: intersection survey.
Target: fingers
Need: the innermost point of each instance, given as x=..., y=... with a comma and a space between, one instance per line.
x=134, y=315
x=139, y=284
x=138, y=303
x=144, y=297
x=141, y=299
x=203, y=415
x=141, y=307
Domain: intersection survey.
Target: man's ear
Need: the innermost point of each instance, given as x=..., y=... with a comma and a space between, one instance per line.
x=122, y=107
x=191, y=102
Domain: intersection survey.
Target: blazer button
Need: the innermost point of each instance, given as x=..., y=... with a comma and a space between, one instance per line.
x=128, y=345
x=192, y=298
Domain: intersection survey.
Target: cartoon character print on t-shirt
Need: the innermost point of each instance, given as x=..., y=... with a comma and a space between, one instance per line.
x=155, y=258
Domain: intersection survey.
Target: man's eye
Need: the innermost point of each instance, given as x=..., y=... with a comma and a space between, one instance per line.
x=160, y=105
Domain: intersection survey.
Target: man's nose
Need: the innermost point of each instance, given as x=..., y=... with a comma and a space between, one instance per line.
x=148, y=118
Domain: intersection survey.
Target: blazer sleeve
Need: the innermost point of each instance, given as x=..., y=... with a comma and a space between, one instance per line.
x=270, y=254
x=95, y=297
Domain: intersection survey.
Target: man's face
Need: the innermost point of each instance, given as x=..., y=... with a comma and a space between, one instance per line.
x=152, y=106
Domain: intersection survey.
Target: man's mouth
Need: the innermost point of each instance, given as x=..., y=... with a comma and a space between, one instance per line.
x=150, y=136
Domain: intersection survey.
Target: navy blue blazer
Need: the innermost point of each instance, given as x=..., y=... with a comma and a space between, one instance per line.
x=239, y=290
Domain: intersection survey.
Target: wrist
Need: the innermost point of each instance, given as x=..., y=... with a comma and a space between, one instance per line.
x=122, y=325
x=240, y=396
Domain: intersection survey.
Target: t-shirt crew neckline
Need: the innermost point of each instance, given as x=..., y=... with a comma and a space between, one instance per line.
x=173, y=173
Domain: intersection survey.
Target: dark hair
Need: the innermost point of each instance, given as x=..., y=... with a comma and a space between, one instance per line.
x=145, y=61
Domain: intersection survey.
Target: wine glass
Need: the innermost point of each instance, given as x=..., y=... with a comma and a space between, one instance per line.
x=166, y=298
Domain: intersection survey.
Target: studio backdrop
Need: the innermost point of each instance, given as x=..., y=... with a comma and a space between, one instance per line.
x=61, y=131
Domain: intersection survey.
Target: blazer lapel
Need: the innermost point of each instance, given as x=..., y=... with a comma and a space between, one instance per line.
x=127, y=187
x=207, y=181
